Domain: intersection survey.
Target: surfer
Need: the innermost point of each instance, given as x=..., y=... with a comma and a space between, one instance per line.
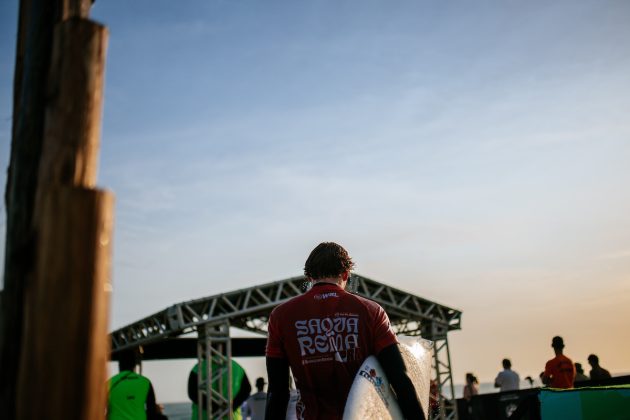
x=323, y=336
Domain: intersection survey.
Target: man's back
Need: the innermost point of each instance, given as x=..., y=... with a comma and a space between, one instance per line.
x=128, y=393
x=508, y=380
x=255, y=406
x=561, y=372
x=598, y=373
x=326, y=334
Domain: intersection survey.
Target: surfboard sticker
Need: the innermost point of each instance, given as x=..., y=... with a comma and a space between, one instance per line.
x=371, y=396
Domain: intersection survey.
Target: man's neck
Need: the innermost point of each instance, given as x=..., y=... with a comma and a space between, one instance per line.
x=329, y=280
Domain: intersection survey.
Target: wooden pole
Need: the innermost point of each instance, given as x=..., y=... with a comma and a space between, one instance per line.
x=33, y=51
x=65, y=347
x=66, y=305
x=73, y=116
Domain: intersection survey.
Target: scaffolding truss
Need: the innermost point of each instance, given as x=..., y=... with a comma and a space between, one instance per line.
x=249, y=309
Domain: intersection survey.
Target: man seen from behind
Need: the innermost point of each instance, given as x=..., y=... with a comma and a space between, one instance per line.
x=131, y=395
x=507, y=379
x=559, y=371
x=324, y=335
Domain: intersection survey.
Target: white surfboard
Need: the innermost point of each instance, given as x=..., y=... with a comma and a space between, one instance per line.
x=371, y=397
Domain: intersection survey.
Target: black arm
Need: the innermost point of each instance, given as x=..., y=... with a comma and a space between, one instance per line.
x=243, y=393
x=278, y=388
x=192, y=386
x=151, y=408
x=395, y=370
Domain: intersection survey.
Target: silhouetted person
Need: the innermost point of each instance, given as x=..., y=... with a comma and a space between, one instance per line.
x=470, y=390
x=255, y=404
x=324, y=335
x=579, y=373
x=559, y=371
x=131, y=395
x=240, y=389
x=507, y=379
x=597, y=372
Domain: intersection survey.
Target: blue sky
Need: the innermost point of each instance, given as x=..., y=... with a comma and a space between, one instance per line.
x=473, y=153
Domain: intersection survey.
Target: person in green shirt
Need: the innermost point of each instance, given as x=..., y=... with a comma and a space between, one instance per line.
x=131, y=395
x=241, y=389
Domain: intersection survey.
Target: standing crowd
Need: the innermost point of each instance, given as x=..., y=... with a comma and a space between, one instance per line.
x=560, y=372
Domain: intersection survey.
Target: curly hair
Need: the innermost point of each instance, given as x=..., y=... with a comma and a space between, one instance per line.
x=328, y=259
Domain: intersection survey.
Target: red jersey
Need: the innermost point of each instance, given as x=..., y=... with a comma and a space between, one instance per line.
x=561, y=371
x=326, y=334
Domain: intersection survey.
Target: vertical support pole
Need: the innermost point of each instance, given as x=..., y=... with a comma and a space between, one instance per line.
x=65, y=346
x=437, y=332
x=214, y=373
x=67, y=298
x=33, y=51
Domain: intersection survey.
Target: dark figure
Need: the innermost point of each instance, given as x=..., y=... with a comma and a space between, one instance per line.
x=256, y=403
x=559, y=371
x=471, y=389
x=507, y=379
x=597, y=372
x=240, y=389
x=324, y=336
x=579, y=373
x=131, y=395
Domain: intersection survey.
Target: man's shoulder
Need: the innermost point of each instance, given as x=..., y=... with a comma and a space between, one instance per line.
x=363, y=301
x=289, y=304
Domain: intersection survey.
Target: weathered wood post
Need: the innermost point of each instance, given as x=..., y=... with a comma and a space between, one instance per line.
x=33, y=51
x=64, y=344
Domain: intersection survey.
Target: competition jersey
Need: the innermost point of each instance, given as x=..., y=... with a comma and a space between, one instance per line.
x=127, y=396
x=326, y=334
x=561, y=371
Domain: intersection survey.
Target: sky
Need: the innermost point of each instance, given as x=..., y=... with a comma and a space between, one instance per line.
x=471, y=153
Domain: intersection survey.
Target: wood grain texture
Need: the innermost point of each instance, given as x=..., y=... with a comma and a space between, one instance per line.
x=65, y=347
x=74, y=110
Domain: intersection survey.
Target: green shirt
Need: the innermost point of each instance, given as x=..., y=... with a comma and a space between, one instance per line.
x=127, y=396
x=237, y=378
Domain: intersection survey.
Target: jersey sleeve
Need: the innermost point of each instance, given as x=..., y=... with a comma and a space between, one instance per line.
x=383, y=334
x=548, y=373
x=274, y=339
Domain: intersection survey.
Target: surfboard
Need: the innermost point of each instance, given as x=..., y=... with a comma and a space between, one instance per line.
x=371, y=397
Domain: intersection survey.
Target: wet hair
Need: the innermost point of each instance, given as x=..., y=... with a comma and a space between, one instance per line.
x=507, y=364
x=328, y=259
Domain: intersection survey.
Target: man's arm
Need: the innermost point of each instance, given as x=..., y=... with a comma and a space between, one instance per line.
x=192, y=386
x=150, y=405
x=242, y=394
x=278, y=388
x=545, y=377
x=497, y=382
x=395, y=370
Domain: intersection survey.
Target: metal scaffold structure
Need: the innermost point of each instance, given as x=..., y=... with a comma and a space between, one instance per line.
x=249, y=309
